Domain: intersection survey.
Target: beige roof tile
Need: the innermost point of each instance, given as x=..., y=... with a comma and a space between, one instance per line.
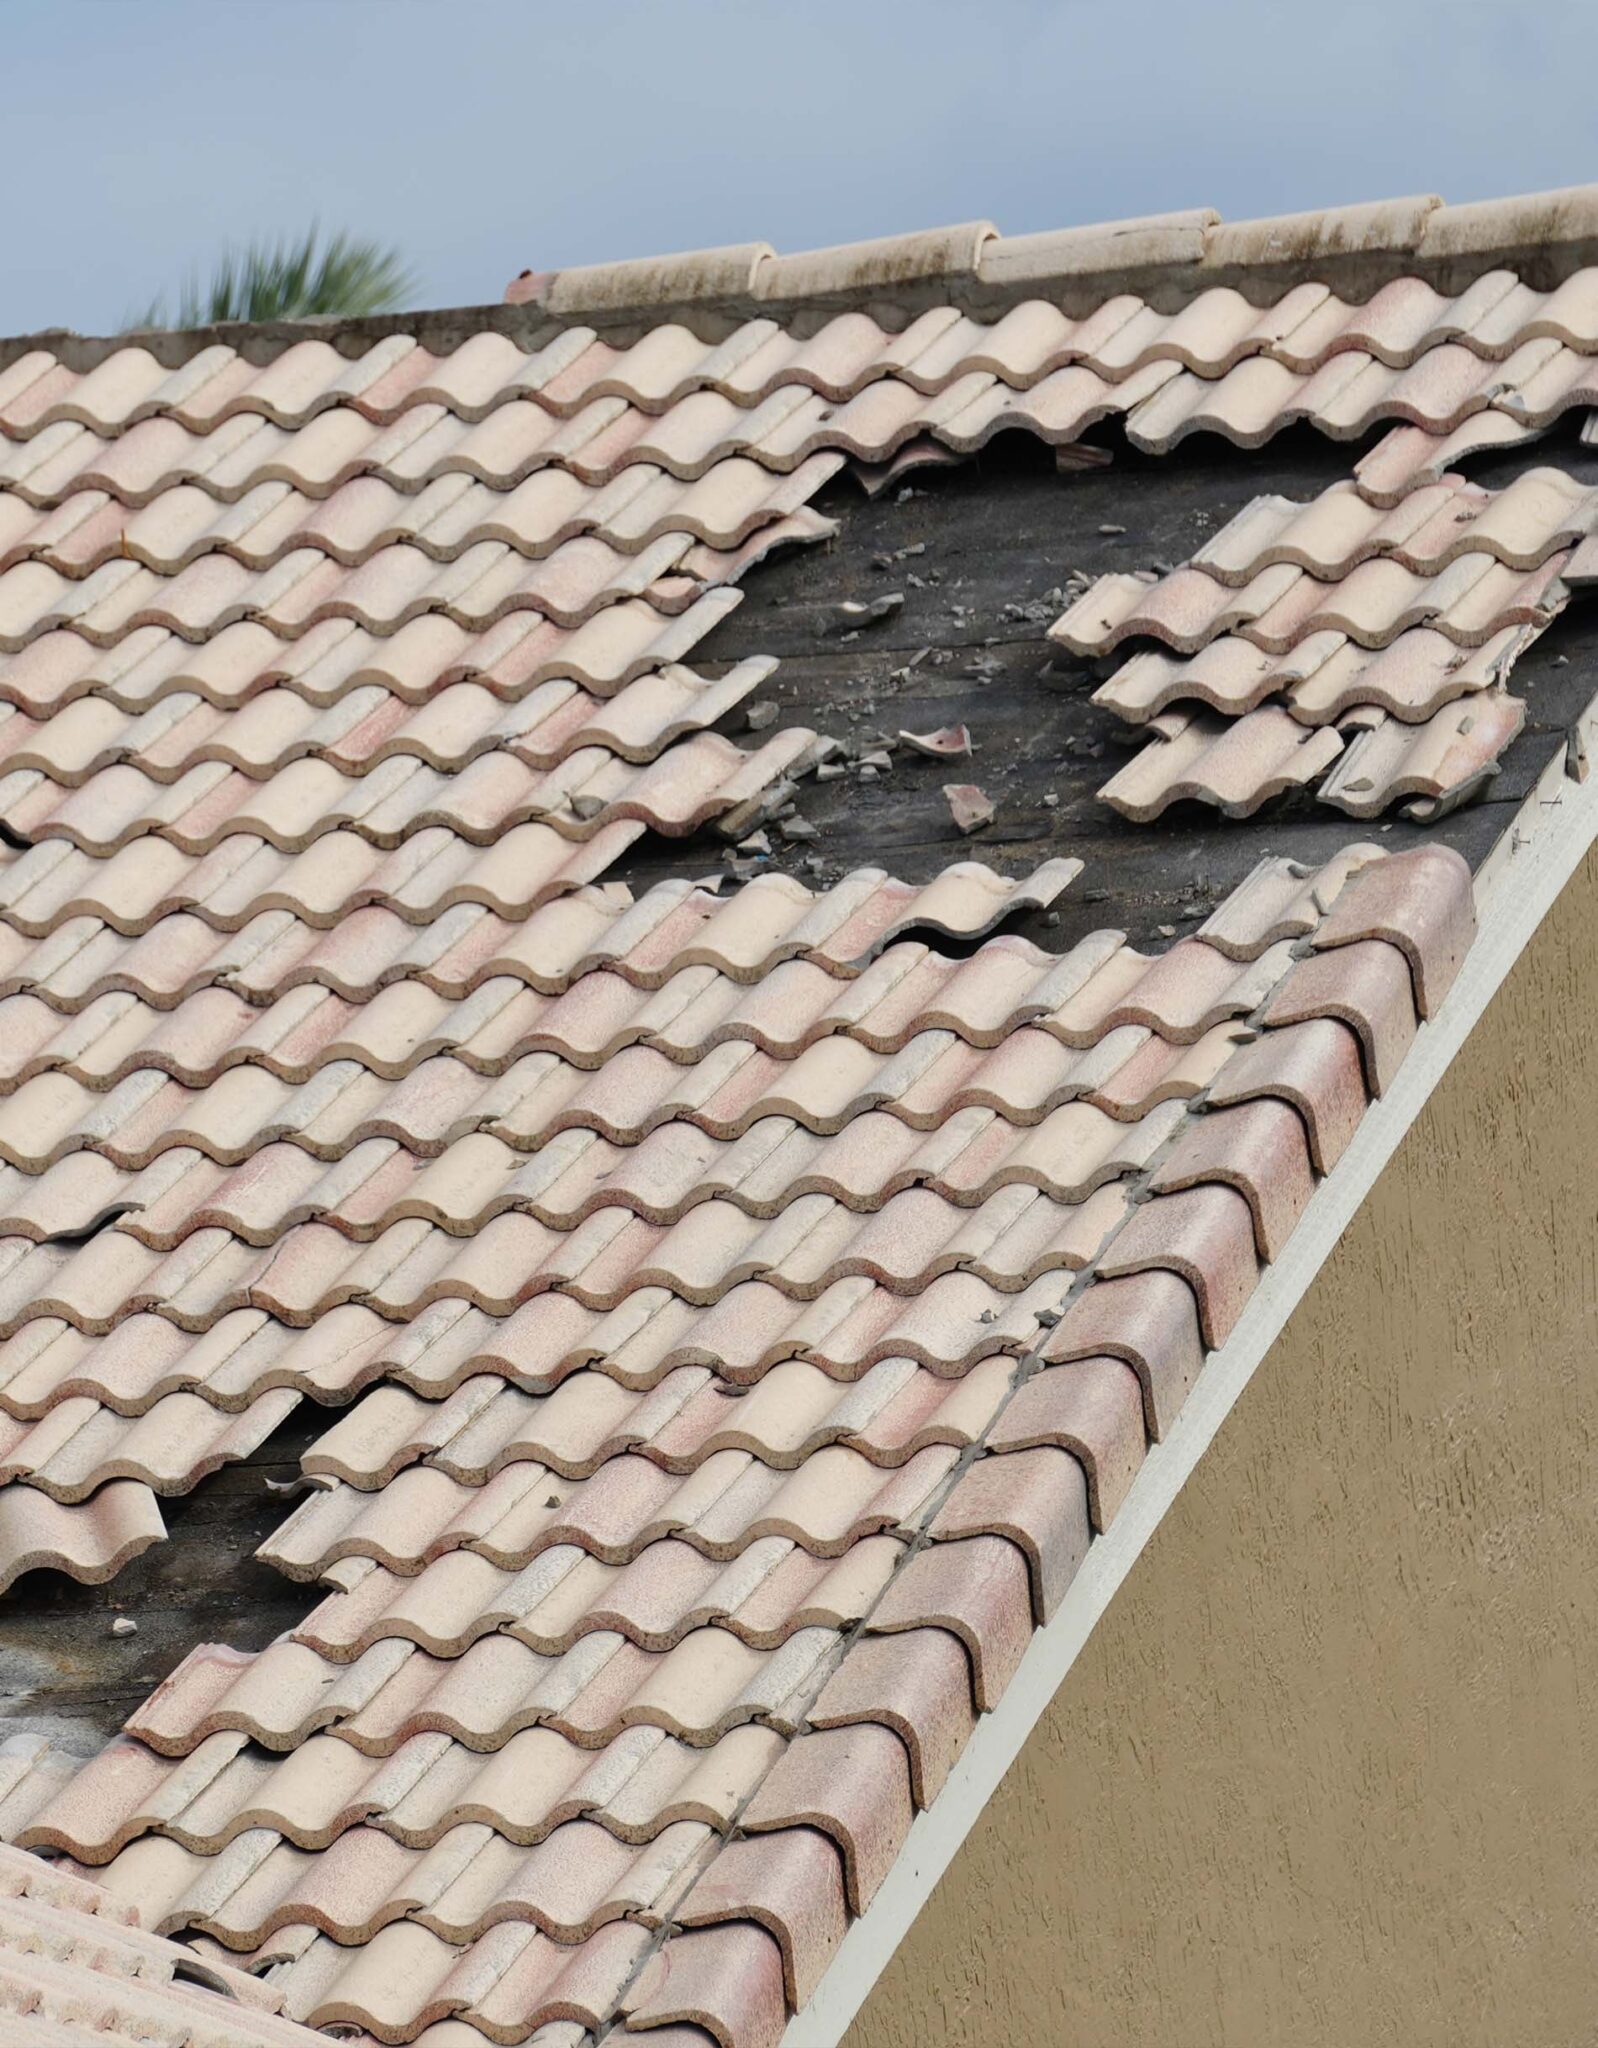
x=244, y=876
x=509, y=1983
x=1280, y=899
x=1412, y=678
x=1472, y=598
x=596, y=927
x=78, y=1446
x=648, y=1133
x=1538, y=514
x=89, y=1540
x=1441, y=381
x=1012, y=1239
x=1443, y=762
x=1233, y=764
x=104, y=1035
x=719, y=1508
x=708, y=1684
x=640, y=507
x=851, y=1327
x=1410, y=456
x=1404, y=319
x=1319, y=679
x=517, y=655
x=1337, y=637
x=577, y=1879
x=698, y=780
x=637, y=1784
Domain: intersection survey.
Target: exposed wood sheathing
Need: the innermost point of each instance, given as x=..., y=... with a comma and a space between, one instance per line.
x=1324, y=1773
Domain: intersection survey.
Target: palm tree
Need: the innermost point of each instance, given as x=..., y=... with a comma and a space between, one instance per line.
x=344, y=276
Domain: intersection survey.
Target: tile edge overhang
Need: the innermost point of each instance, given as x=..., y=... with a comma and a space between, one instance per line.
x=1515, y=888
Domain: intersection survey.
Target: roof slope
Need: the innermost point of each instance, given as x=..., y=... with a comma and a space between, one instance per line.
x=745, y=1312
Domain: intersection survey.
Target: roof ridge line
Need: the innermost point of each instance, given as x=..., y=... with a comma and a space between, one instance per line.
x=1167, y=259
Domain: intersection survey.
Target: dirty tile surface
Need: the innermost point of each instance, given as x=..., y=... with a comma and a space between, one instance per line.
x=721, y=1313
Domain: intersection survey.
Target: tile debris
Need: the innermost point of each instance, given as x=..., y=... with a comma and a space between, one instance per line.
x=1360, y=649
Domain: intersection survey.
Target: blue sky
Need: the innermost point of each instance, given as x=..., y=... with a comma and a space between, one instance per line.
x=488, y=135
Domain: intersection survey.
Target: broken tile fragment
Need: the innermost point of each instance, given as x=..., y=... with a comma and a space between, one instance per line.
x=970, y=807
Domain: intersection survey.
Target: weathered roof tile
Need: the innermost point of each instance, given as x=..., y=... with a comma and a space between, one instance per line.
x=757, y=1299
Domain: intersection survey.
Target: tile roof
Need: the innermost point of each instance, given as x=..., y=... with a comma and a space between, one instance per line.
x=575, y=1618
x=75, y=1965
x=739, y=1312
x=1449, y=389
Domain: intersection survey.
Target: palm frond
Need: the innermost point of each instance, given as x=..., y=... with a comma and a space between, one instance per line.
x=341, y=276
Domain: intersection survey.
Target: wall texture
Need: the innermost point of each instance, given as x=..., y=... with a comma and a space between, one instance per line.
x=1327, y=1772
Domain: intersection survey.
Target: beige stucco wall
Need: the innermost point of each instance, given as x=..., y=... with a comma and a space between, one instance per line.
x=1327, y=1771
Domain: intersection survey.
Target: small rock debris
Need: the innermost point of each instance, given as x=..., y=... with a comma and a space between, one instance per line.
x=853, y=613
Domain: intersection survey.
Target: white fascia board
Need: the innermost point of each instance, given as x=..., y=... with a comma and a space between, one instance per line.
x=1515, y=888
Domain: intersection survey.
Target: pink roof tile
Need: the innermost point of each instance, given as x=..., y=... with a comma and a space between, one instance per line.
x=852, y=1783
x=1093, y=1408
x=978, y=1591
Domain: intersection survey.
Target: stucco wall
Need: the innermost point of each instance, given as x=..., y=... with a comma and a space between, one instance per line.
x=1327, y=1771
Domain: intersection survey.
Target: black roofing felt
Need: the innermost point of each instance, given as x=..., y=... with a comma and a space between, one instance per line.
x=997, y=537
